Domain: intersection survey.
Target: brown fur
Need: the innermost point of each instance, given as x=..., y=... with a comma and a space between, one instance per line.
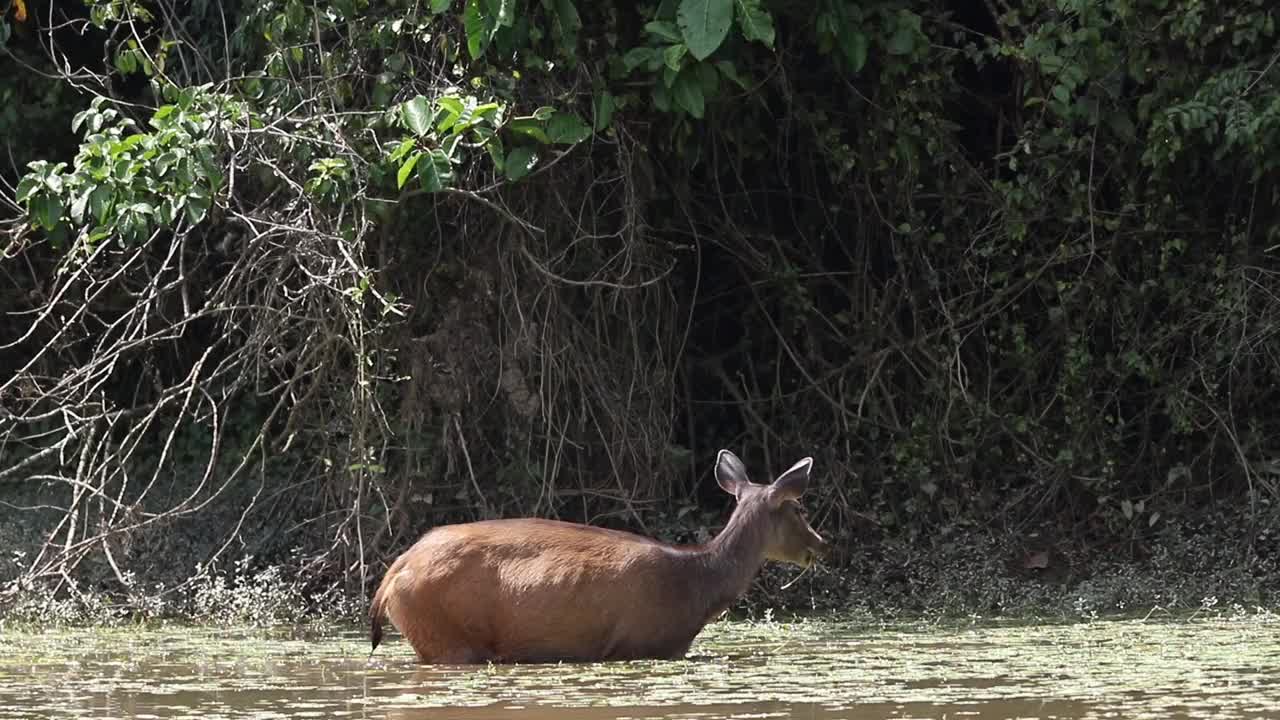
x=532, y=590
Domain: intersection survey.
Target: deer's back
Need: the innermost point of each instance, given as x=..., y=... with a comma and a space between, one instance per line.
x=545, y=590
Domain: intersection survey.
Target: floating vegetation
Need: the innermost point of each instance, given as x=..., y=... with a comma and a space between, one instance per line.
x=1225, y=666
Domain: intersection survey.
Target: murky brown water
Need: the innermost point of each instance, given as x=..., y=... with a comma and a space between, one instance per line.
x=1226, y=668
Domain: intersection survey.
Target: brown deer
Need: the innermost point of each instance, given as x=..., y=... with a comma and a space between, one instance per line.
x=533, y=590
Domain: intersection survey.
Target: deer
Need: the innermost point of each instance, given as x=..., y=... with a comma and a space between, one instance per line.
x=534, y=590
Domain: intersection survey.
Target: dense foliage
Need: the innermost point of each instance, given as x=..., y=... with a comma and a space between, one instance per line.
x=353, y=268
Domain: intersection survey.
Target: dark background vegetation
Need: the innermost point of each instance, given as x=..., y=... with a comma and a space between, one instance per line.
x=1007, y=271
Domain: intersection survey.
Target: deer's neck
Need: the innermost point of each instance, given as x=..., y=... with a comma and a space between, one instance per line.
x=730, y=561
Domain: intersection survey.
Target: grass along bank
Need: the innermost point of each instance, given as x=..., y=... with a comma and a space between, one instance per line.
x=1213, y=563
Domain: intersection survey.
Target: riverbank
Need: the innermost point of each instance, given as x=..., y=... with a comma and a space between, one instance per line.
x=1214, y=562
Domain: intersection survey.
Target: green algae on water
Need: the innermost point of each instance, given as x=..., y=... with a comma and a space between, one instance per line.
x=1225, y=667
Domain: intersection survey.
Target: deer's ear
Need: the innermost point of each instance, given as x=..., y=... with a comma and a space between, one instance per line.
x=731, y=474
x=791, y=484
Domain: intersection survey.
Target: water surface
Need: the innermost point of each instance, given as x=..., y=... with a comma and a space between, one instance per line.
x=1223, y=668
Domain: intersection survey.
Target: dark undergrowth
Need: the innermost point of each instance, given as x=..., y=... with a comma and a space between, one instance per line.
x=293, y=282
x=1204, y=564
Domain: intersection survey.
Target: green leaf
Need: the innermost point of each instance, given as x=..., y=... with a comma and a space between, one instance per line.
x=664, y=30
x=529, y=127
x=501, y=10
x=854, y=46
x=168, y=209
x=566, y=129
x=133, y=141
x=48, y=211
x=406, y=169
x=78, y=206
x=602, y=106
x=1062, y=94
x=296, y=14
x=728, y=70
x=902, y=42
x=27, y=187
x=484, y=134
x=638, y=56
x=704, y=24
x=755, y=22
x=165, y=162
x=687, y=92
x=673, y=55
x=126, y=62
x=480, y=24
x=467, y=119
x=1050, y=63
x=197, y=206
x=100, y=202
x=451, y=103
x=439, y=6
x=708, y=79
x=669, y=75
x=662, y=98
x=485, y=111
x=451, y=108
x=451, y=146
x=53, y=180
x=520, y=161
x=493, y=145
x=401, y=150
x=125, y=226
x=1122, y=125
x=565, y=22
x=435, y=172
x=417, y=115
x=80, y=117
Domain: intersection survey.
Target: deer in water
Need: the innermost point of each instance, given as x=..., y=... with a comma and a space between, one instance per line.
x=535, y=590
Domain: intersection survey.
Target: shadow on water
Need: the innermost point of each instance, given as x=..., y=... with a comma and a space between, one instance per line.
x=1226, y=668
